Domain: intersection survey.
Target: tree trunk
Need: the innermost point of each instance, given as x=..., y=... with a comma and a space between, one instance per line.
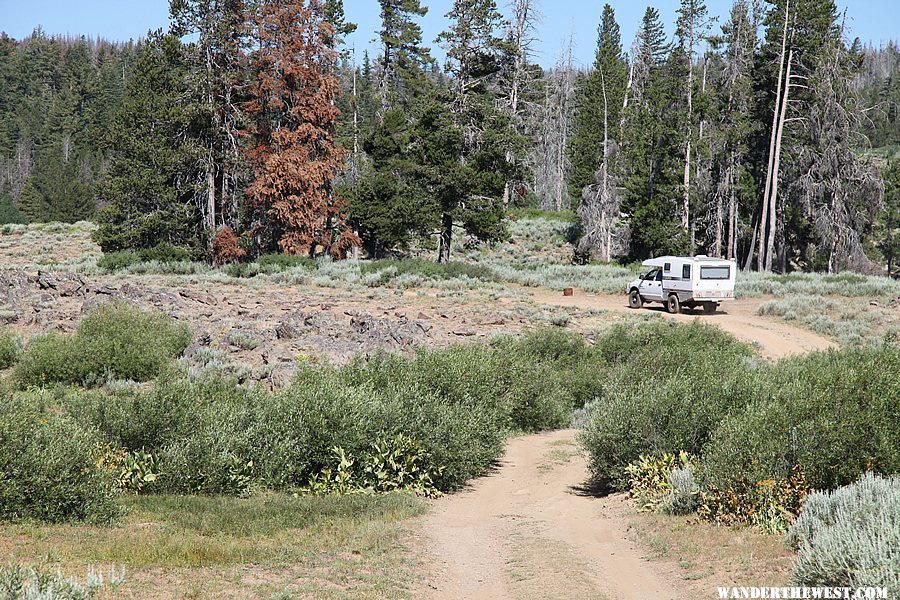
x=446, y=238
x=606, y=229
x=731, y=252
x=773, y=215
x=686, y=200
x=210, y=197
x=764, y=218
x=749, y=262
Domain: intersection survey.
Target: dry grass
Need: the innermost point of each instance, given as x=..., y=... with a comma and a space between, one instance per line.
x=711, y=555
x=198, y=547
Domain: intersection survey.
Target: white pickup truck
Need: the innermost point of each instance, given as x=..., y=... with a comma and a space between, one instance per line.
x=679, y=281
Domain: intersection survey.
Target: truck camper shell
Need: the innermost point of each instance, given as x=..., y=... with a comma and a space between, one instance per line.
x=684, y=282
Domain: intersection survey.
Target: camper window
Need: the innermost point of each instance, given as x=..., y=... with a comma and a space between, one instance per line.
x=667, y=267
x=715, y=272
x=686, y=271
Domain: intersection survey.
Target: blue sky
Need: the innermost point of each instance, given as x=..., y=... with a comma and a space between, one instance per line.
x=872, y=20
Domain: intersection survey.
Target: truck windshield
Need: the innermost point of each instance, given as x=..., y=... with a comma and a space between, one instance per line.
x=715, y=272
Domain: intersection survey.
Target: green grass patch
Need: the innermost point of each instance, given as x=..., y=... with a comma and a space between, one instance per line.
x=268, y=544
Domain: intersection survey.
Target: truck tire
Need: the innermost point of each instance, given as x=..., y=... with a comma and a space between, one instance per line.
x=673, y=304
x=710, y=307
x=635, y=300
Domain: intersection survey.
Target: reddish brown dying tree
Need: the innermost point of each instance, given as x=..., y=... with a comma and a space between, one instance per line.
x=226, y=247
x=294, y=153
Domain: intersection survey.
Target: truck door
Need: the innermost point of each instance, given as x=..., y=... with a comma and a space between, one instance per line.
x=651, y=286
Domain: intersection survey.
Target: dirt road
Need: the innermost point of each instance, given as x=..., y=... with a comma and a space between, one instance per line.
x=529, y=531
x=773, y=337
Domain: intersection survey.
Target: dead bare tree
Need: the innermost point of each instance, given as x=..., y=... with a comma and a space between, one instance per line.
x=521, y=36
x=839, y=191
x=550, y=126
x=599, y=207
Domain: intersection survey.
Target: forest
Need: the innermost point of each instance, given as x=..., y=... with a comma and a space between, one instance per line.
x=248, y=126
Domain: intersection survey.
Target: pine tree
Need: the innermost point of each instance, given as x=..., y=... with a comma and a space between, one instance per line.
x=217, y=77
x=404, y=60
x=474, y=54
x=32, y=204
x=839, y=191
x=294, y=153
x=387, y=206
x=690, y=31
x=148, y=191
x=735, y=100
x=796, y=33
x=650, y=142
x=603, y=86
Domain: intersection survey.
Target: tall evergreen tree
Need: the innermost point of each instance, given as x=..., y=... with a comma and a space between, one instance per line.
x=217, y=76
x=404, y=59
x=474, y=54
x=796, y=33
x=690, y=31
x=387, y=206
x=598, y=104
x=650, y=141
x=149, y=189
x=839, y=191
x=735, y=124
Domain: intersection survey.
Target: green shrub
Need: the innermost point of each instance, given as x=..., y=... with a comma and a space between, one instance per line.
x=161, y=253
x=391, y=268
x=834, y=414
x=10, y=349
x=113, y=340
x=48, y=467
x=118, y=261
x=166, y=253
x=849, y=537
x=666, y=389
x=242, y=270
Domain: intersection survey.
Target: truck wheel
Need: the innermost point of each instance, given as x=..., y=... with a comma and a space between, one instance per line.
x=673, y=304
x=635, y=300
x=710, y=307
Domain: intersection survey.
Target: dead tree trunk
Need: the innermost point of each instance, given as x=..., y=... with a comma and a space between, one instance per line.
x=773, y=214
x=764, y=211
